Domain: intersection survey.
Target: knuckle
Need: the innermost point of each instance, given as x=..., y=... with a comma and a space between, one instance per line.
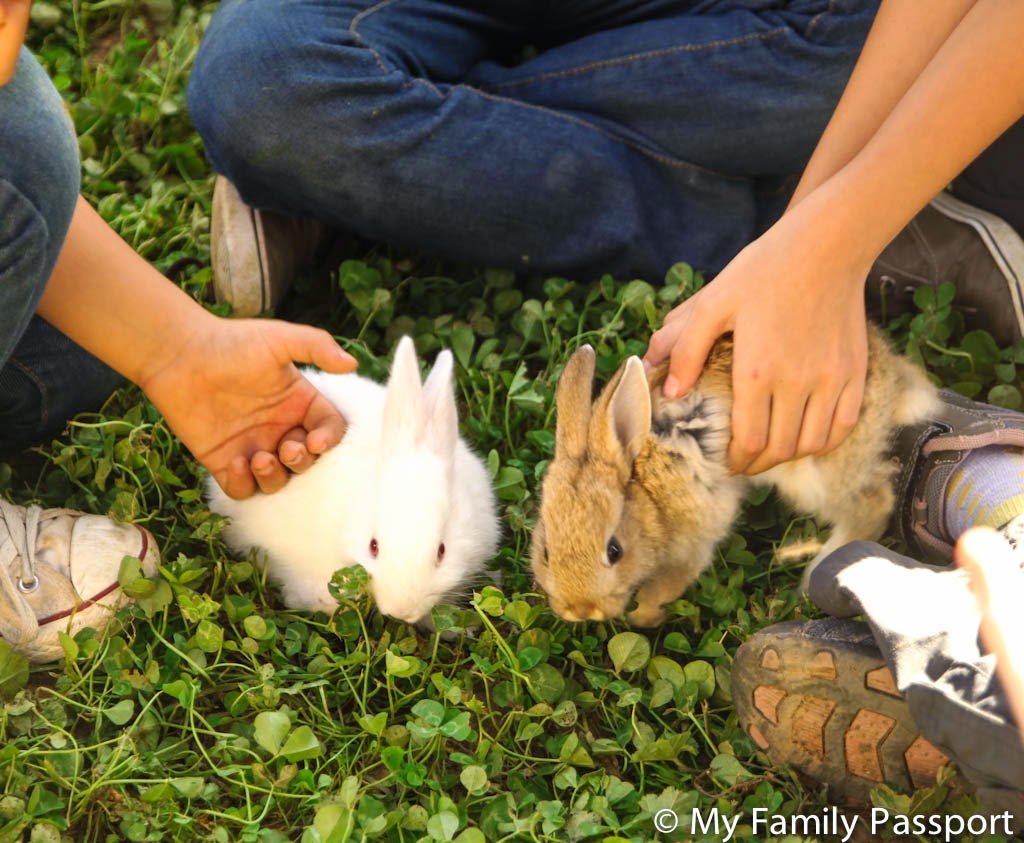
x=846, y=417
x=749, y=444
x=776, y=454
x=813, y=443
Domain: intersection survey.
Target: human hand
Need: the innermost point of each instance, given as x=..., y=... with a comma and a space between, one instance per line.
x=998, y=584
x=13, y=25
x=234, y=397
x=795, y=307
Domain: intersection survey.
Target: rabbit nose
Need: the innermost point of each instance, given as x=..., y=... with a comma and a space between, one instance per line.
x=584, y=612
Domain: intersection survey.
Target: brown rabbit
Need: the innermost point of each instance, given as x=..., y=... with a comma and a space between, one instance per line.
x=639, y=494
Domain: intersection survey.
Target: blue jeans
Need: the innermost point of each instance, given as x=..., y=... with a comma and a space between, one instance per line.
x=45, y=378
x=578, y=137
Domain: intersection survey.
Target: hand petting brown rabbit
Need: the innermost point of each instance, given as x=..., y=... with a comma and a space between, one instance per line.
x=639, y=493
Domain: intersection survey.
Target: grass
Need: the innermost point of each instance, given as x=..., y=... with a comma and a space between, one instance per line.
x=213, y=714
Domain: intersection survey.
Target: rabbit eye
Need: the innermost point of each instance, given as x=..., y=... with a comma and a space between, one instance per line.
x=374, y=548
x=614, y=550
x=545, y=556
x=440, y=552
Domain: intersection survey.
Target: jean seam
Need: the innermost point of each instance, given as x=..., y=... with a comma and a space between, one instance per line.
x=643, y=150
x=412, y=81
x=817, y=18
x=635, y=57
x=353, y=28
x=44, y=398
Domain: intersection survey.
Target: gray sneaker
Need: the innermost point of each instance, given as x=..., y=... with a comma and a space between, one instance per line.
x=950, y=240
x=58, y=573
x=256, y=254
x=928, y=454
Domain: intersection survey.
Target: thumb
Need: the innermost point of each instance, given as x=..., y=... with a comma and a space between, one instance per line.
x=306, y=344
x=687, y=358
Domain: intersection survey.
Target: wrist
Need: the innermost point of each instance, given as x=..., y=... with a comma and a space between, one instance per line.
x=837, y=234
x=174, y=346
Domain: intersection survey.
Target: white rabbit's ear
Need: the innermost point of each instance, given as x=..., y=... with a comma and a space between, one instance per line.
x=403, y=404
x=572, y=399
x=442, y=427
x=623, y=411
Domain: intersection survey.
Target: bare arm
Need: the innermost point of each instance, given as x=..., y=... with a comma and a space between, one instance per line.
x=228, y=388
x=13, y=25
x=882, y=77
x=964, y=98
x=794, y=298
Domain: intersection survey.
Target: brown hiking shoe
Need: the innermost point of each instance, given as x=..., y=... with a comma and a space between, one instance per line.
x=256, y=255
x=58, y=573
x=978, y=252
x=818, y=696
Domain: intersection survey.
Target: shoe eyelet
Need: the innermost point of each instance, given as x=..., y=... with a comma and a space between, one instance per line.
x=28, y=587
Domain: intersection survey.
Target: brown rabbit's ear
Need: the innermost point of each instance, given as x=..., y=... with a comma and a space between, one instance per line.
x=623, y=413
x=573, y=398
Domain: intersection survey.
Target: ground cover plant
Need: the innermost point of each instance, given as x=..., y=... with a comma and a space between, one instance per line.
x=213, y=714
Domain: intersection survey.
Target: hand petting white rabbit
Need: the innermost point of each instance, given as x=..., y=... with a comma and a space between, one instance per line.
x=402, y=495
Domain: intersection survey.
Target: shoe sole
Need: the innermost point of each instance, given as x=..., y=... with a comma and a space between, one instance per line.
x=1002, y=240
x=240, y=271
x=827, y=706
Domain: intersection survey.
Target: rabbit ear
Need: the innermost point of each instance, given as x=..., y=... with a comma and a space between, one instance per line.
x=573, y=398
x=442, y=418
x=623, y=412
x=403, y=404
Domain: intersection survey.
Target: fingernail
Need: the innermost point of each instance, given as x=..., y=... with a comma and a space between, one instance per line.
x=671, y=387
x=647, y=365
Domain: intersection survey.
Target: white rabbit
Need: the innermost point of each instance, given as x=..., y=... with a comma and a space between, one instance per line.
x=402, y=495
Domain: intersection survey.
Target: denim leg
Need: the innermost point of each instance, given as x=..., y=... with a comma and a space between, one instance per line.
x=925, y=621
x=645, y=134
x=44, y=377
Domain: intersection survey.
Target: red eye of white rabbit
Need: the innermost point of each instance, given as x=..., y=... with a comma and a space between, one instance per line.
x=374, y=548
x=440, y=552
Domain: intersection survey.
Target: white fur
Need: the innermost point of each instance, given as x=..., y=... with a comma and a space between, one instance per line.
x=401, y=475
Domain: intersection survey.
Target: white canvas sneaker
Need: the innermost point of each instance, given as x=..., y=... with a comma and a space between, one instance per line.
x=58, y=572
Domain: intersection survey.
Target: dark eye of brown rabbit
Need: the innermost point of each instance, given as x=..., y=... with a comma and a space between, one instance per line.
x=614, y=550
x=440, y=552
x=374, y=548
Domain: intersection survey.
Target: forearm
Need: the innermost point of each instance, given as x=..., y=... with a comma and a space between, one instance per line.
x=902, y=41
x=114, y=303
x=13, y=25
x=966, y=96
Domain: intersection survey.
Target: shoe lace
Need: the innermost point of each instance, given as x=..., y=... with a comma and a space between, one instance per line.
x=19, y=528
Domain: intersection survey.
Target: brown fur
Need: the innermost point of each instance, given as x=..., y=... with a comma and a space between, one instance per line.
x=651, y=474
